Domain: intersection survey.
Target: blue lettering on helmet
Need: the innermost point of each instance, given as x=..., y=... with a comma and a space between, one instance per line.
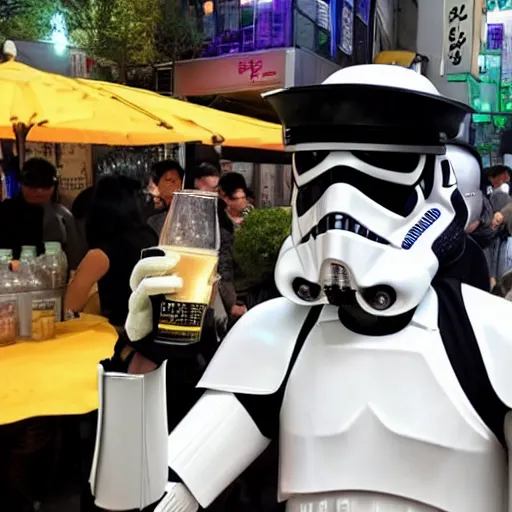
x=420, y=227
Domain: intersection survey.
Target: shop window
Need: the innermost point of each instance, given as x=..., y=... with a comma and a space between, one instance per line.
x=304, y=32
x=323, y=43
x=228, y=15
x=208, y=19
x=307, y=7
x=232, y=26
x=228, y=26
x=247, y=19
x=164, y=81
x=313, y=26
x=273, y=24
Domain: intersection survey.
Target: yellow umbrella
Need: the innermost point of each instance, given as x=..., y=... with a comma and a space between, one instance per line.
x=44, y=107
x=219, y=127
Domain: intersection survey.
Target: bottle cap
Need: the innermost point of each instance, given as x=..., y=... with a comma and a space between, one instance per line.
x=6, y=254
x=29, y=250
x=52, y=247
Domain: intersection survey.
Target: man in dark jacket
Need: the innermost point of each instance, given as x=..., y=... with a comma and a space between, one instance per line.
x=33, y=217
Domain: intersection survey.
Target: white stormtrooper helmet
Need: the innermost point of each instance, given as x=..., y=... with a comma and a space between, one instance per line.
x=467, y=165
x=376, y=208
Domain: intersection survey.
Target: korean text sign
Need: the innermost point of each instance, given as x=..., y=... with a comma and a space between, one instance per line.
x=459, y=36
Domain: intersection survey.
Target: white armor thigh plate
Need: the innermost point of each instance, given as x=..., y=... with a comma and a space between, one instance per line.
x=386, y=415
x=354, y=502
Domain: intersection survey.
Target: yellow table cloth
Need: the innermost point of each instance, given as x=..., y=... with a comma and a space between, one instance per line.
x=55, y=377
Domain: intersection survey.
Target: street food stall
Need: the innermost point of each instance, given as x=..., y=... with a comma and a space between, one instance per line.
x=48, y=364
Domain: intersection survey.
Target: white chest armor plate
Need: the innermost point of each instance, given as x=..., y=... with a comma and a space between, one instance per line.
x=354, y=402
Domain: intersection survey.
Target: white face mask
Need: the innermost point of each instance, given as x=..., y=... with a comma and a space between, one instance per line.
x=382, y=219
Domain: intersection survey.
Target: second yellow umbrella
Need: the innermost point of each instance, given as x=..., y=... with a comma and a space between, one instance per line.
x=204, y=124
x=45, y=107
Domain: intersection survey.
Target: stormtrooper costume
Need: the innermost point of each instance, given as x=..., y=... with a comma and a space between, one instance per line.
x=474, y=267
x=387, y=384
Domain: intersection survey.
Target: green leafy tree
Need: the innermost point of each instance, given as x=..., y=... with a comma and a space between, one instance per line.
x=179, y=36
x=125, y=37
x=128, y=35
x=131, y=36
x=28, y=20
x=118, y=33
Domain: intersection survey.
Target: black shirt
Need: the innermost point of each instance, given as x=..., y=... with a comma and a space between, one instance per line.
x=123, y=252
x=470, y=268
x=22, y=223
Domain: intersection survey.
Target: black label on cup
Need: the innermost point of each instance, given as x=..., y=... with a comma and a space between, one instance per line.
x=180, y=322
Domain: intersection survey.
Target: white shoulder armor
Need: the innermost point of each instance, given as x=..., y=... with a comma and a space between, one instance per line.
x=255, y=355
x=489, y=316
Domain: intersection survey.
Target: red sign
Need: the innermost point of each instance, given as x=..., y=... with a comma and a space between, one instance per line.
x=255, y=69
x=229, y=73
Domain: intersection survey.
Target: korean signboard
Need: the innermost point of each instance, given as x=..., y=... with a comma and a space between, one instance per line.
x=462, y=34
x=256, y=71
x=254, y=68
x=347, y=27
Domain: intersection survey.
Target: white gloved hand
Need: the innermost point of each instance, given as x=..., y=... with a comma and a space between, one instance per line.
x=149, y=278
x=177, y=498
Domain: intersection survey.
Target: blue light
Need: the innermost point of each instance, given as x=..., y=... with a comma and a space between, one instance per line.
x=334, y=27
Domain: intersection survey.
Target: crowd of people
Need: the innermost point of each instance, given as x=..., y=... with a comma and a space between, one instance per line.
x=109, y=224
x=103, y=236
x=493, y=229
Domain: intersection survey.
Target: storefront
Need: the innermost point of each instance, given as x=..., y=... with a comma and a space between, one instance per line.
x=492, y=95
x=328, y=28
x=252, y=46
x=241, y=78
x=256, y=45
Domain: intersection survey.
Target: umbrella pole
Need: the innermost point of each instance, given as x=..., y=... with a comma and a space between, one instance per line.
x=21, y=132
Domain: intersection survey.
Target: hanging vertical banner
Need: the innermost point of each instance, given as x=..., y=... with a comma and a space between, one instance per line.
x=458, y=36
x=363, y=10
x=347, y=27
x=462, y=36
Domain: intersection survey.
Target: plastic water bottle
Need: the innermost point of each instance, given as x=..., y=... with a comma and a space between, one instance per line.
x=8, y=301
x=6, y=255
x=6, y=284
x=52, y=264
x=28, y=251
x=28, y=257
x=56, y=264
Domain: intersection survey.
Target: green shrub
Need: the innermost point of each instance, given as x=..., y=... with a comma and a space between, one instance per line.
x=259, y=239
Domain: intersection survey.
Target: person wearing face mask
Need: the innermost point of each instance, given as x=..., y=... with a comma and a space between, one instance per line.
x=168, y=177
x=34, y=217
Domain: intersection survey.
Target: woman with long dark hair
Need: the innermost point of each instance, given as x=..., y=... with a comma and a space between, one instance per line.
x=116, y=234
